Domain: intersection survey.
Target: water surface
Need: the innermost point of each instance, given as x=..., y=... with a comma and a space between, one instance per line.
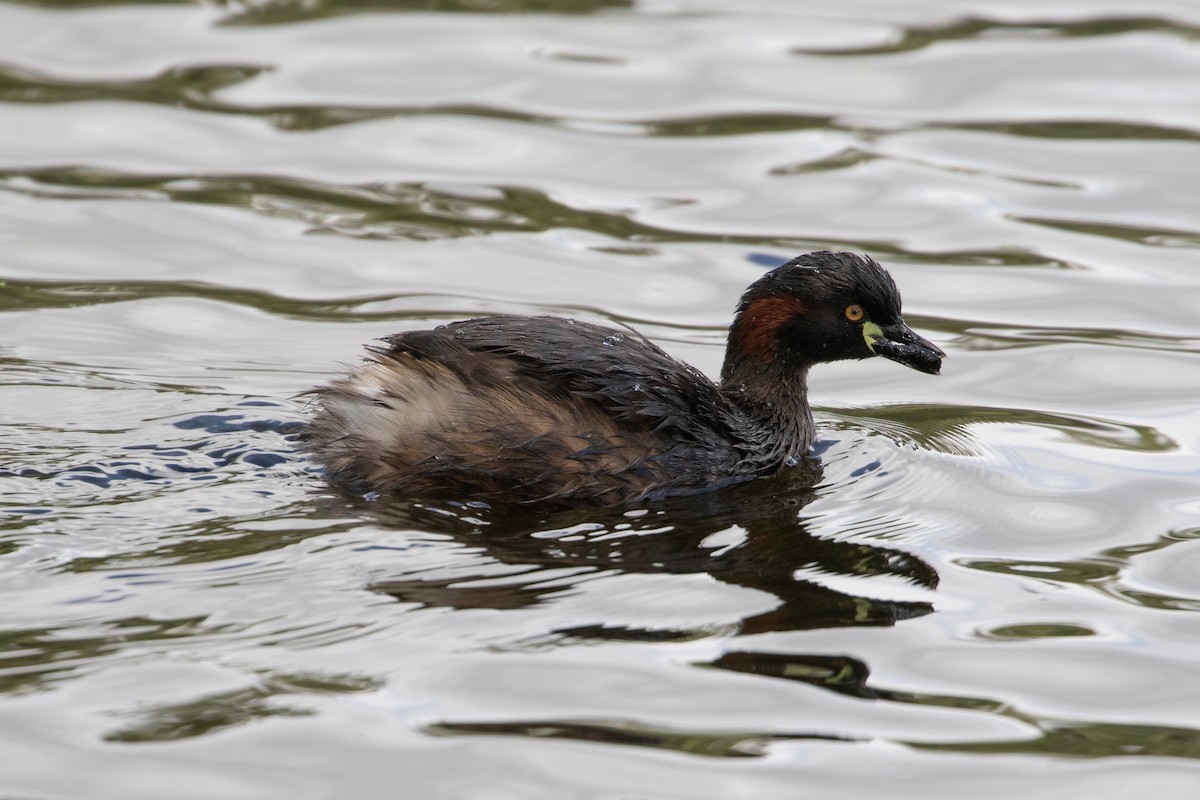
x=205, y=209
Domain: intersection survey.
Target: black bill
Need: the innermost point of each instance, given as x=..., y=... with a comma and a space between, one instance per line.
x=899, y=343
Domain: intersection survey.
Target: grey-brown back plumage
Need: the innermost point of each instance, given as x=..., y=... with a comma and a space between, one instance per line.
x=527, y=408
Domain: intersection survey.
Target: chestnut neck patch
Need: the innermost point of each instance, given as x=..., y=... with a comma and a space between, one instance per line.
x=758, y=325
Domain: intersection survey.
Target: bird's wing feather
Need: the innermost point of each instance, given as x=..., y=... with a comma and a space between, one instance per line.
x=621, y=371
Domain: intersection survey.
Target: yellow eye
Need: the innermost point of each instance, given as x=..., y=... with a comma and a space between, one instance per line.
x=854, y=312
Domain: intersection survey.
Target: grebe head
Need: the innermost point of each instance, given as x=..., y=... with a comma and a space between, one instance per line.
x=819, y=307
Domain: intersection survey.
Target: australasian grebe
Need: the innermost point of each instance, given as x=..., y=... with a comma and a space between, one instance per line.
x=554, y=411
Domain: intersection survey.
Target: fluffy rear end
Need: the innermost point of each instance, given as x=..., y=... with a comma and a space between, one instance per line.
x=474, y=427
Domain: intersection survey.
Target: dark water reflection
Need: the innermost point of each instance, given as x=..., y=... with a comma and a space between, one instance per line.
x=748, y=536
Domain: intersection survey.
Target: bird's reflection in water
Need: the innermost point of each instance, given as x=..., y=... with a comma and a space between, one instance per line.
x=749, y=535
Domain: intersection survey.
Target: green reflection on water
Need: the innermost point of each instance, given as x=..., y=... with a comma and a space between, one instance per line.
x=998, y=337
x=1104, y=572
x=1047, y=735
x=268, y=12
x=71, y=5
x=969, y=28
x=29, y=295
x=204, y=716
x=274, y=12
x=624, y=732
x=416, y=211
x=410, y=211
x=1037, y=630
x=196, y=87
x=206, y=542
x=842, y=674
x=947, y=429
x=738, y=124
x=1079, y=571
x=1085, y=129
x=217, y=712
x=33, y=658
x=1159, y=237
x=188, y=87
x=1052, y=737
x=1089, y=740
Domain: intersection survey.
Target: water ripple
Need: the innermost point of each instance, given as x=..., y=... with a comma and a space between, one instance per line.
x=997, y=562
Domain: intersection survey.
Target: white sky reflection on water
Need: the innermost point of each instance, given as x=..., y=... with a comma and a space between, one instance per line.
x=993, y=589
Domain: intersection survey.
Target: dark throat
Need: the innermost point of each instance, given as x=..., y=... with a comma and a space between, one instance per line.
x=767, y=384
